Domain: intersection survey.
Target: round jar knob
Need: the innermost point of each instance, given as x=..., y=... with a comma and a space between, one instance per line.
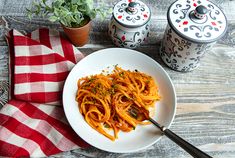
x=200, y=12
x=131, y=9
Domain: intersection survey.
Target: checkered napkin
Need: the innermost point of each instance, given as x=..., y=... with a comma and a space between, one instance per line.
x=33, y=123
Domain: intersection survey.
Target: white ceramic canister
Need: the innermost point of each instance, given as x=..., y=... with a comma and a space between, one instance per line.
x=129, y=25
x=193, y=27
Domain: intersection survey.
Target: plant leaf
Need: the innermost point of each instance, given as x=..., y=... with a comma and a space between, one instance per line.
x=69, y=12
x=53, y=18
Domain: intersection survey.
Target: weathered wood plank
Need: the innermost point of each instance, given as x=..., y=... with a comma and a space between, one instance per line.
x=99, y=33
x=202, y=102
x=158, y=8
x=205, y=113
x=4, y=62
x=3, y=75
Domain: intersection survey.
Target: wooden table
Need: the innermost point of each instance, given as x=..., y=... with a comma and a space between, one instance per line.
x=205, y=113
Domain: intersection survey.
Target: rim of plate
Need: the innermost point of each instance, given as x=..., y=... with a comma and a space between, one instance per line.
x=121, y=50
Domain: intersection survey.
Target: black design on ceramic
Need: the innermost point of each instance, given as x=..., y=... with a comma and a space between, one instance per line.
x=129, y=25
x=217, y=12
x=201, y=30
x=180, y=54
x=185, y=11
x=122, y=7
x=197, y=21
x=128, y=39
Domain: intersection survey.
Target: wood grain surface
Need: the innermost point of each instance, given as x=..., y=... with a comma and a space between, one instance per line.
x=205, y=113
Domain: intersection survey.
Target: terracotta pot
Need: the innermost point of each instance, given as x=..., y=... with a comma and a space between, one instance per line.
x=78, y=36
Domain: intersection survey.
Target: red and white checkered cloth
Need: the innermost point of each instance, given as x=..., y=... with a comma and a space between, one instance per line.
x=31, y=123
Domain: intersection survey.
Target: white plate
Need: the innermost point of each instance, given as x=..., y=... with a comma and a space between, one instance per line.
x=143, y=136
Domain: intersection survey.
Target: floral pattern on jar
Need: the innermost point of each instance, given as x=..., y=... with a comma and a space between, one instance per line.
x=128, y=37
x=180, y=54
x=129, y=25
x=193, y=28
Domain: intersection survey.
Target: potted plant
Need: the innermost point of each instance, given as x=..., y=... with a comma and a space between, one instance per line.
x=74, y=15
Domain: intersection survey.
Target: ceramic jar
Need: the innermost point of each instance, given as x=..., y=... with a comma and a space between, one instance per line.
x=193, y=28
x=129, y=25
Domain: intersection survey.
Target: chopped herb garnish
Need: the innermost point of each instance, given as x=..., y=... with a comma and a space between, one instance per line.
x=94, y=101
x=121, y=74
x=106, y=125
x=93, y=90
x=91, y=79
x=113, y=89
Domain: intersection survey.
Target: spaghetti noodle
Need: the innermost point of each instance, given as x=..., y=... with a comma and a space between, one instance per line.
x=118, y=101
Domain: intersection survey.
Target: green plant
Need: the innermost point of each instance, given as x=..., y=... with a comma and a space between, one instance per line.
x=70, y=13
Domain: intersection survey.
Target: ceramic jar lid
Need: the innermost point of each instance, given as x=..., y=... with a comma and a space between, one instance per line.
x=131, y=13
x=199, y=21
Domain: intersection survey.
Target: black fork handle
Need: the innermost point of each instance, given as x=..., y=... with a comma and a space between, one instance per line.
x=192, y=150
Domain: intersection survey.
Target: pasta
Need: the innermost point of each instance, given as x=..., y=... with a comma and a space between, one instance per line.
x=117, y=101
